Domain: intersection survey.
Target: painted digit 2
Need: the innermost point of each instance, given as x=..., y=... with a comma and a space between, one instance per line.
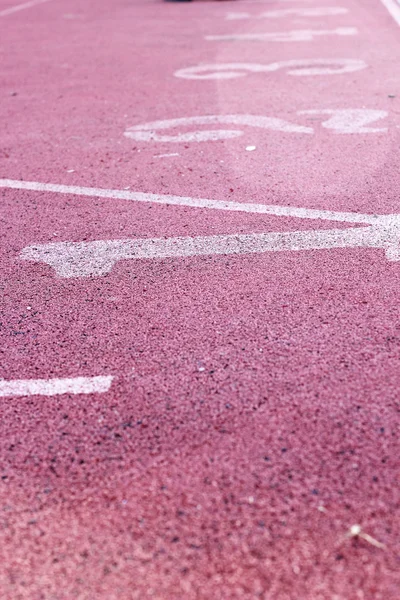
x=341, y=121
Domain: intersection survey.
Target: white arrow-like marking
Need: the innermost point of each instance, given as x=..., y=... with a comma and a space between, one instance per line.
x=92, y=259
x=86, y=259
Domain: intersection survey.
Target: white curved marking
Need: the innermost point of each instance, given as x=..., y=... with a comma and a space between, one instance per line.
x=295, y=12
x=350, y=120
x=93, y=259
x=55, y=387
x=297, y=35
x=306, y=67
x=148, y=131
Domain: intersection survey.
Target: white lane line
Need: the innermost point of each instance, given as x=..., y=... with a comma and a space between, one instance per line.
x=93, y=259
x=320, y=11
x=166, y=155
x=13, y=9
x=296, y=35
x=55, y=387
x=394, y=9
x=266, y=209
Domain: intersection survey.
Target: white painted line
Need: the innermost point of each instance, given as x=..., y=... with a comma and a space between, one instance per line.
x=266, y=209
x=166, y=155
x=272, y=1
x=296, y=35
x=93, y=259
x=14, y=9
x=317, y=11
x=269, y=2
x=55, y=387
x=393, y=8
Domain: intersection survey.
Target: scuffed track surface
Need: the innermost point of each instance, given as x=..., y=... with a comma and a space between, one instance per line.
x=253, y=417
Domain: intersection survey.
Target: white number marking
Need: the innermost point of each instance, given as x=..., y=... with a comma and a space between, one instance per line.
x=148, y=131
x=55, y=387
x=297, y=35
x=340, y=121
x=306, y=67
x=350, y=120
x=288, y=12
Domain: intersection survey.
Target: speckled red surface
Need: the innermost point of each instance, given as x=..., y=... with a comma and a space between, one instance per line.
x=254, y=415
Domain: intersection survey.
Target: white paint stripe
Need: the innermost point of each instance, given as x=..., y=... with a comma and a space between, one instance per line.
x=296, y=35
x=55, y=387
x=266, y=209
x=13, y=9
x=93, y=259
x=394, y=9
x=166, y=155
x=273, y=1
x=316, y=11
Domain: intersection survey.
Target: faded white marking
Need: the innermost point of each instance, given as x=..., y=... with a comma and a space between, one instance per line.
x=18, y=7
x=166, y=155
x=232, y=16
x=93, y=259
x=297, y=35
x=240, y=2
x=146, y=132
x=350, y=120
x=316, y=11
x=55, y=387
x=394, y=9
x=265, y=209
x=297, y=67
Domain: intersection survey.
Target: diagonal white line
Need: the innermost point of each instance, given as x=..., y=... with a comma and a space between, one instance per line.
x=394, y=9
x=267, y=209
x=18, y=7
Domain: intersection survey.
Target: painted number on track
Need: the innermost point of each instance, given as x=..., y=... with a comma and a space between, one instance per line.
x=340, y=121
x=306, y=67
